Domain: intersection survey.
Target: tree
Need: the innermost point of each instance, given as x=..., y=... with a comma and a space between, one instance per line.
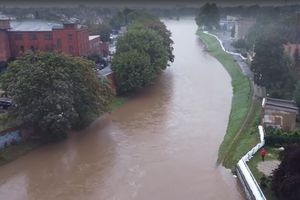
x=104, y=30
x=208, y=16
x=133, y=71
x=140, y=57
x=286, y=178
x=144, y=20
x=271, y=67
x=118, y=20
x=53, y=93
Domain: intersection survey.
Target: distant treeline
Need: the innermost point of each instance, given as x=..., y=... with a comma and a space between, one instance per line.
x=87, y=13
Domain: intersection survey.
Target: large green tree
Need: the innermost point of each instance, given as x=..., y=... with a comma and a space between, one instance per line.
x=286, y=179
x=140, y=57
x=53, y=93
x=271, y=67
x=161, y=29
x=208, y=16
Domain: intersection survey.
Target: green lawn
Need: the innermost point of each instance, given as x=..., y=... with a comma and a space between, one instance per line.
x=248, y=138
x=272, y=154
x=241, y=102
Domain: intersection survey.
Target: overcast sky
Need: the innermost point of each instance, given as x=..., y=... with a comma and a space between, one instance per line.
x=29, y=3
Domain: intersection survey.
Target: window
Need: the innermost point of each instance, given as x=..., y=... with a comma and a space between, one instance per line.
x=32, y=36
x=70, y=37
x=71, y=50
x=18, y=36
x=47, y=36
x=58, y=43
x=22, y=48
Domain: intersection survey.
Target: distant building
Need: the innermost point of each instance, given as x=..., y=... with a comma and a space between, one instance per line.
x=290, y=49
x=107, y=74
x=16, y=37
x=97, y=46
x=242, y=26
x=279, y=113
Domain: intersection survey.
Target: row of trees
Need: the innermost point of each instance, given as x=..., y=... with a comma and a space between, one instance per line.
x=54, y=93
x=208, y=16
x=142, y=53
x=272, y=67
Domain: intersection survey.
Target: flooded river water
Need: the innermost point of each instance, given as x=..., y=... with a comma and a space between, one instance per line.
x=161, y=145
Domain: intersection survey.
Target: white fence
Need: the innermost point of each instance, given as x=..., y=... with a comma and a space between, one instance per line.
x=252, y=189
x=222, y=46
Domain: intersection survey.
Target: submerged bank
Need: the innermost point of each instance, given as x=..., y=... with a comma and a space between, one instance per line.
x=241, y=106
x=17, y=150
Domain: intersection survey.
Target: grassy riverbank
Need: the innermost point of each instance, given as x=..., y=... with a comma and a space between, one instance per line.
x=235, y=142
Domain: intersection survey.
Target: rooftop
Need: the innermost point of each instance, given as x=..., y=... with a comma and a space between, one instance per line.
x=105, y=71
x=91, y=37
x=280, y=104
x=33, y=25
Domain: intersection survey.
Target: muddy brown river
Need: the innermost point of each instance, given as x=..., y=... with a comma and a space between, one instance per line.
x=161, y=145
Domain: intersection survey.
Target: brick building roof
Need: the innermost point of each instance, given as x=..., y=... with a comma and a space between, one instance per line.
x=34, y=25
x=280, y=104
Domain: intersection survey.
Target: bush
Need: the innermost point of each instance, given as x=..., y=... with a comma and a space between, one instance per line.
x=286, y=179
x=277, y=137
x=264, y=182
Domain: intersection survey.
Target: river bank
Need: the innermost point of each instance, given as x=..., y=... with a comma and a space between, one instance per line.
x=161, y=144
x=16, y=150
x=244, y=114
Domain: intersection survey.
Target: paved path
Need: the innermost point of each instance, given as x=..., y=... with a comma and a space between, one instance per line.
x=267, y=167
x=258, y=92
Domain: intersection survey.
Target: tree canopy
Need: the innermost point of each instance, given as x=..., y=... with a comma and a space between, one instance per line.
x=286, y=178
x=53, y=93
x=140, y=57
x=271, y=67
x=208, y=16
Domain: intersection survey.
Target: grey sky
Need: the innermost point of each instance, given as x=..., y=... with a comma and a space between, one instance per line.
x=151, y=3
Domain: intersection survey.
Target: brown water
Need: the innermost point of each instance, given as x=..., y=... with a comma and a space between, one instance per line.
x=161, y=145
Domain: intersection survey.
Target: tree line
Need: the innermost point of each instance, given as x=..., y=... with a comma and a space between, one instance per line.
x=142, y=52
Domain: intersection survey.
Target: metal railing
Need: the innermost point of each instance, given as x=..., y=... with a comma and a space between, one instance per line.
x=251, y=187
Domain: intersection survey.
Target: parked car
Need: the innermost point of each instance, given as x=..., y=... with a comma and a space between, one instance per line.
x=5, y=102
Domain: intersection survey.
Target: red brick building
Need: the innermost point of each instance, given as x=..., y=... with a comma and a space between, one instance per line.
x=16, y=37
x=97, y=46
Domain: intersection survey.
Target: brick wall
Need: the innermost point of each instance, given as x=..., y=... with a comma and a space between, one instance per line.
x=4, y=46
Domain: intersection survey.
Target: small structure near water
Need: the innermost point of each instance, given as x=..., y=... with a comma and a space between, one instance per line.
x=279, y=113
